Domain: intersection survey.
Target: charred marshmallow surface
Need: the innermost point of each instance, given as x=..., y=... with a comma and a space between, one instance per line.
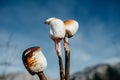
x=34, y=60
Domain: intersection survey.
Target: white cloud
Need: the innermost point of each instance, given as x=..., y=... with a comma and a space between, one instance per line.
x=112, y=61
x=80, y=55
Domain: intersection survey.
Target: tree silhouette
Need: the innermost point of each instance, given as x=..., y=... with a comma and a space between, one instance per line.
x=113, y=73
x=96, y=77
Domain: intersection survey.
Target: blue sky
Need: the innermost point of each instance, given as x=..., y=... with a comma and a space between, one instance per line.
x=22, y=26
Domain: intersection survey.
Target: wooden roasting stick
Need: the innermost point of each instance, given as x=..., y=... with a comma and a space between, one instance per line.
x=67, y=58
x=41, y=76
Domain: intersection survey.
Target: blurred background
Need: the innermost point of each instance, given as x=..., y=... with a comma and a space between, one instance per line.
x=95, y=47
